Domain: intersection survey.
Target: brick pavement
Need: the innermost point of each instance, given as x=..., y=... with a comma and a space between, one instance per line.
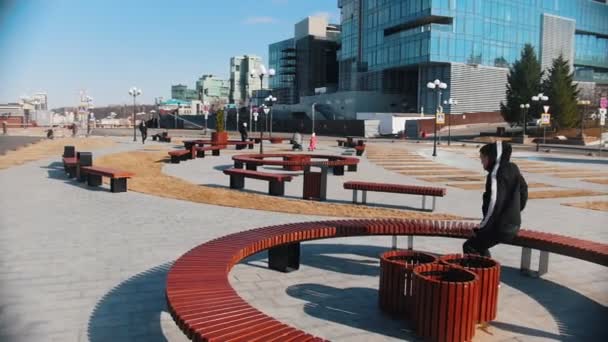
x=80, y=264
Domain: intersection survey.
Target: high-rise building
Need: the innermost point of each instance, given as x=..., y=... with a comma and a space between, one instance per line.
x=396, y=47
x=306, y=62
x=242, y=84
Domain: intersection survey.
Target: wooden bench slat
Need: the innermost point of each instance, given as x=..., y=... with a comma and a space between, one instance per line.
x=107, y=172
x=258, y=175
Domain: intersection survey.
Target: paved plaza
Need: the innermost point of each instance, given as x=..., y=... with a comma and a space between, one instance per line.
x=82, y=264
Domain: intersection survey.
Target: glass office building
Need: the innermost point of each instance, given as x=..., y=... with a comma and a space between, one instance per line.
x=397, y=46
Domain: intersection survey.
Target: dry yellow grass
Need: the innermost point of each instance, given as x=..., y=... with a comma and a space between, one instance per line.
x=446, y=172
x=482, y=185
x=50, y=148
x=562, y=193
x=598, y=205
x=149, y=179
x=597, y=180
x=453, y=179
x=574, y=175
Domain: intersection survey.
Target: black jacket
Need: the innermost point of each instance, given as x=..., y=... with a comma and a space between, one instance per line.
x=502, y=209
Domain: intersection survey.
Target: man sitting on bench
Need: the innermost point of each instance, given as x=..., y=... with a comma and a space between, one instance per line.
x=505, y=197
x=296, y=142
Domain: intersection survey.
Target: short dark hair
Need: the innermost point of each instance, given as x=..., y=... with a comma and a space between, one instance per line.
x=489, y=150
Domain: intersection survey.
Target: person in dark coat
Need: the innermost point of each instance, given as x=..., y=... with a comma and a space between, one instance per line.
x=505, y=197
x=243, y=131
x=143, y=129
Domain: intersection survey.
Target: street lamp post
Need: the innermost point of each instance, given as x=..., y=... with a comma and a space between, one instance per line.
x=584, y=103
x=524, y=111
x=135, y=93
x=313, y=116
x=540, y=98
x=270, y=100
x=451, y=102
x=265, y=110
x=158, y=101
x=437, y=86
x=261, y=72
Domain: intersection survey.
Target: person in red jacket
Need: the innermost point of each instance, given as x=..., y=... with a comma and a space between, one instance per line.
x=505, y=197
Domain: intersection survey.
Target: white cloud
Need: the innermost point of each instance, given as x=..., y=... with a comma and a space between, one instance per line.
x=259, y=20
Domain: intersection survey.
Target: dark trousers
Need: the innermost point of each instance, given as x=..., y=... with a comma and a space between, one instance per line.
x=243, y=137
x=484, y=239
x=144, y=136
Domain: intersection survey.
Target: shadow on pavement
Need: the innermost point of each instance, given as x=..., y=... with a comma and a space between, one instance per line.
x=132, y=310
x=578, y=317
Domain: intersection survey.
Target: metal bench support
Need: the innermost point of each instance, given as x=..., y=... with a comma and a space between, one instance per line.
x=284, y=258
x=354, y=196
x=118, y=185
x=410, y=242
x=276, y=188
x=423, y=202
x=364, y=196
x=526, y=261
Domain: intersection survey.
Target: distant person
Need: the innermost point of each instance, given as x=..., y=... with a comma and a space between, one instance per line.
x=243, y=131
x=143, y=129
x=74, y=130
x=313, y=142
x=296, y=141
x=50, y=134
x=505, y=197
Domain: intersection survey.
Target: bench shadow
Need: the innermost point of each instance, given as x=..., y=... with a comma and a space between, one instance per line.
x=132, y=310
x=55, y=171
x=578, y=317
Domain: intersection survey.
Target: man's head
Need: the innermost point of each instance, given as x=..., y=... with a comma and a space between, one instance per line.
x=489, y=152
x=244, y=124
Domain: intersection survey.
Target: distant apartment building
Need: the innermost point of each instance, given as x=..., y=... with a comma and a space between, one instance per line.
x=306, y=62
x=213, y=90
x=182, y=92
x=242, y=84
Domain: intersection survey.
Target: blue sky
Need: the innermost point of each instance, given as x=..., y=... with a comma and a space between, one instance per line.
x=107, y=46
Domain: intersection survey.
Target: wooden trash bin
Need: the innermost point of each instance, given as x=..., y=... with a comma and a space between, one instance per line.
x=446, y=302
x=488, y=271
x=395, y=294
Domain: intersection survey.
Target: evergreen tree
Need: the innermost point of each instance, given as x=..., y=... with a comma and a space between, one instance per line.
x=562, y=93
x=524, y=81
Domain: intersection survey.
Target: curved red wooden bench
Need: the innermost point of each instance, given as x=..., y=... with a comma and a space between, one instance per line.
x=118, y=178
x=394, y=188
x=206, y=307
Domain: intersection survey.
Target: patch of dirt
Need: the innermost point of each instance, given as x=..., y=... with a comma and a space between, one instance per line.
x=598, y=205
x=149, y=179
x=49, y=148
x=562, y=193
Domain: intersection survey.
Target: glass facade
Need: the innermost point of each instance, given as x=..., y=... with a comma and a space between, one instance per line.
x=396, y=33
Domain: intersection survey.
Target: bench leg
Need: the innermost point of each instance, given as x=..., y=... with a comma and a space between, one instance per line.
x=71, y=171
x=82, y=177
x=526, y=262
x=434, y=198
x=284, y=258
x=175, y=159
x=93, y=180
x=216, y=152
x=339, y=170
x=364, y=196
x=410, y=242
x=250, y=146
x=354, y=196
x=394, y=242
x=423, y=202
x=118, y=185
x=238, y=164
x=200, y=154
x=276, y=188
x=237, y=182
x=352, y=168
x=251, y=166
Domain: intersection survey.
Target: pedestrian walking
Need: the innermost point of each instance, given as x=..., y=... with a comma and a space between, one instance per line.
x=312, y=145
x=243, y=131
x=143, y=129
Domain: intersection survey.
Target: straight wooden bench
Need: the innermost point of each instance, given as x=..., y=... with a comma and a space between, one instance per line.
x=276, y=185
x=204, y=305
x=179, y=155
x=200, y=150
x=359, y=149
x=118, y=178
x=394, y=188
